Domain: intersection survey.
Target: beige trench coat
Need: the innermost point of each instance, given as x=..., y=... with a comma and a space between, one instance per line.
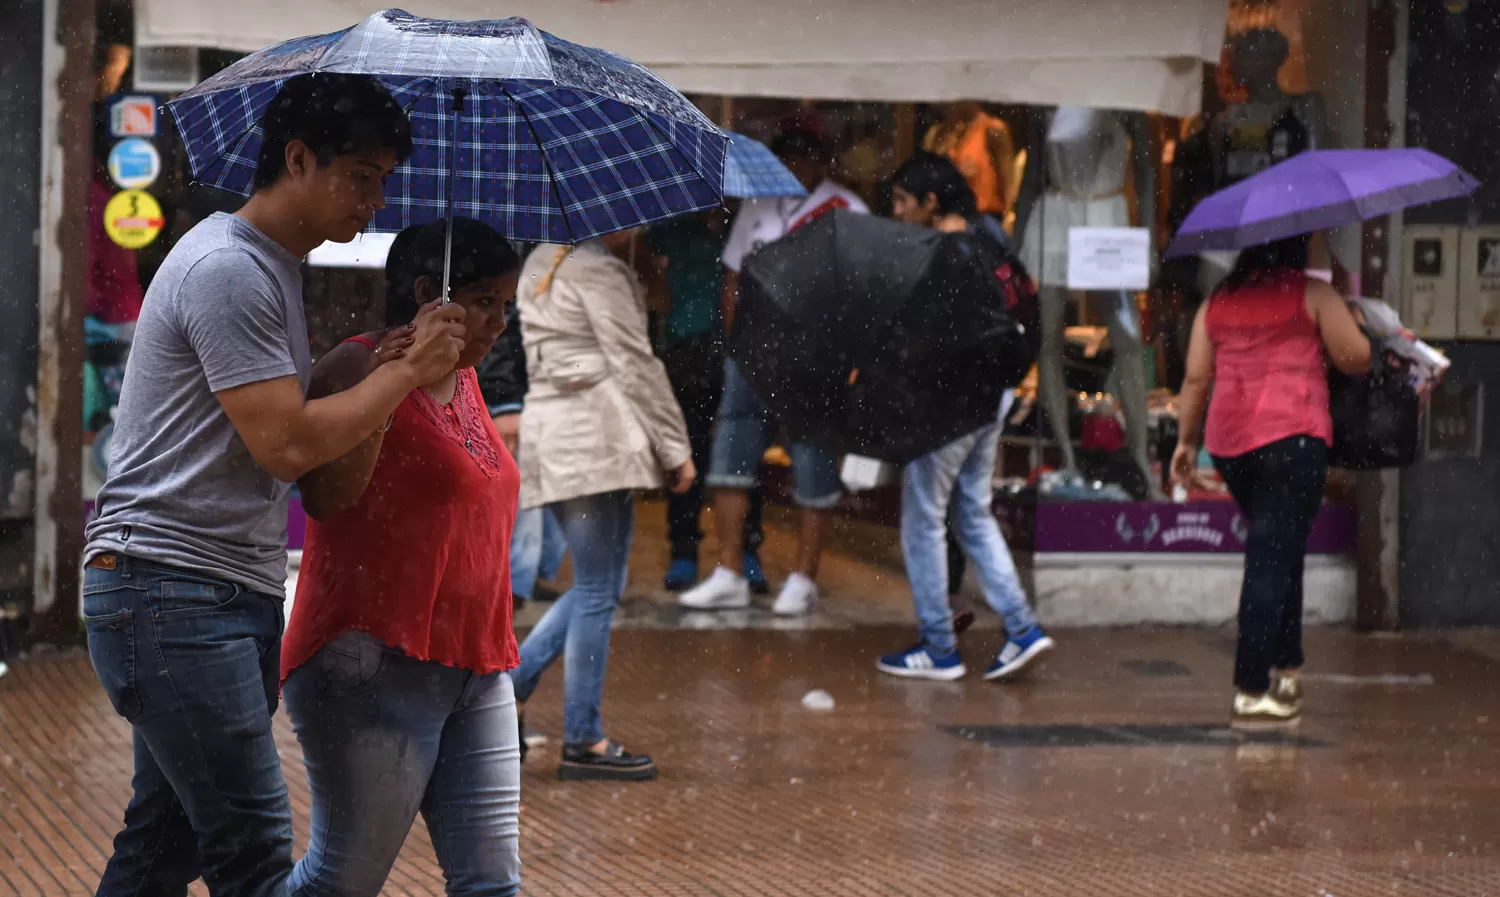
x=600, y=415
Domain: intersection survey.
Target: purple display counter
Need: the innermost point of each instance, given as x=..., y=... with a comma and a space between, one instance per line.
x=1215, y=527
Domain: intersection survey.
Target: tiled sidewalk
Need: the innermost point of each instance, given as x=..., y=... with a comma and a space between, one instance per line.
x=1108, y=773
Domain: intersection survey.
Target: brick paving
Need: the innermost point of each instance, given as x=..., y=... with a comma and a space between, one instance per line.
x=1397, y=791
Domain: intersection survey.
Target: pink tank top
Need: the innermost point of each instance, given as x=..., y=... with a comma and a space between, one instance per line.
x=1270, y=381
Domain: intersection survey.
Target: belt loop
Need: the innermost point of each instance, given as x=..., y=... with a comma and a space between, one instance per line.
x=122, y=565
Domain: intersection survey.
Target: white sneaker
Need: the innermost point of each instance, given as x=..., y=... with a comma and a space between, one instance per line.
x=724, y=590
x=798, y=597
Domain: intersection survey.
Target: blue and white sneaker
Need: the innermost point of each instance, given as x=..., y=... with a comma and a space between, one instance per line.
x=1019, y=653
x=921, y=662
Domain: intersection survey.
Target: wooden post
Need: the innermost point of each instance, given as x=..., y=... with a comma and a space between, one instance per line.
x=906, y=131
x=67, y=141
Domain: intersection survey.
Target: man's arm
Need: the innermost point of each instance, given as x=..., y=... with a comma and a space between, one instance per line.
x=288, y=434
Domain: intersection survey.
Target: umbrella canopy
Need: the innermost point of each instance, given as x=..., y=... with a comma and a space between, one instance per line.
x=753, y=171
x=868, y=336
x=1318, y=190
x=545, y=140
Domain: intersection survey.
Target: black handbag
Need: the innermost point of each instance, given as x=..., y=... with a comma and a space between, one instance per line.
x=1377, y=417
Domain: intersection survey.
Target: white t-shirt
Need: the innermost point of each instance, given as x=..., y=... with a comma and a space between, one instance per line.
x=762, y=221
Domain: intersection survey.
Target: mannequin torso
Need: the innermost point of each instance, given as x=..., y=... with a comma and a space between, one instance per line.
x=1077, y=177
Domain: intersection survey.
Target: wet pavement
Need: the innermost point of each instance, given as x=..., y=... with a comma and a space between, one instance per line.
x=1108, y=772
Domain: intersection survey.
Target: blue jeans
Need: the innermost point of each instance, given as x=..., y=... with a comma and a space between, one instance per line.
x=599, y=529
x=192, y=663
x=961, y=472
x=386, y=737
x=1279, y=489
x=744, y=433
x=537, y=549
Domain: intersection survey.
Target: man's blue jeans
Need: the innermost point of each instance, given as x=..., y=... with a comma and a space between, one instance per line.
x=599, y=529
x=385, y=737
x=961, y=472
x=192, y=663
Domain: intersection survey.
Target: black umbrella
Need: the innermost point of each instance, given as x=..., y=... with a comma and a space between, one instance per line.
x=872, y=337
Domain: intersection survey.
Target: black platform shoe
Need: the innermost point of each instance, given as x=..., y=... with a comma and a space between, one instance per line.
x=581, y=763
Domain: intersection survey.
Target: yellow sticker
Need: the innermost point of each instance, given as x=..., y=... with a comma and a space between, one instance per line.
x=133, y=219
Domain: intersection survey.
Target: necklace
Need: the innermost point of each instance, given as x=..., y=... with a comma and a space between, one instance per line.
x=452, y=414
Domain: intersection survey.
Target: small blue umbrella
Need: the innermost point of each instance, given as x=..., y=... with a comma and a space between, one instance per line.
x=753, y=171
x=545, y=140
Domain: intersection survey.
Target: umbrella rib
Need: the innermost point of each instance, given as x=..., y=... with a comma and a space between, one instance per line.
x=562, y=209
x=696, y=170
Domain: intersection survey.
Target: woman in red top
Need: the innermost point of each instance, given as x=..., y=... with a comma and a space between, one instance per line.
x=1260, y=342
x=395, y=661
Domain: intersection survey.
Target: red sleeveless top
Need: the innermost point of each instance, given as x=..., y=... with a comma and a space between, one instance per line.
x=422, y=560
x=1270, y=380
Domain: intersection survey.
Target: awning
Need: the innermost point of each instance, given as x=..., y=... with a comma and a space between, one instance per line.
x=1126, y=54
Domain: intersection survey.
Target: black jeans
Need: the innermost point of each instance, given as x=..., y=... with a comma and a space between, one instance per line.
x=1279, y=489
x=696, y=369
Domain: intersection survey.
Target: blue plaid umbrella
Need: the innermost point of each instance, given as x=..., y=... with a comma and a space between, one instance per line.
x=754, y=171
x=545, y=140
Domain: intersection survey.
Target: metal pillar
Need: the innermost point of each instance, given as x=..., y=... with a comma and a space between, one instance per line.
x=66, y=160
x=20, y=183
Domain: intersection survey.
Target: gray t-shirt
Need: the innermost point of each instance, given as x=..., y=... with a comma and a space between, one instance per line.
x=224, y=310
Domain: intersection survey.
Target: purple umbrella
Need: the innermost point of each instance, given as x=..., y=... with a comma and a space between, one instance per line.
x=1318, y=190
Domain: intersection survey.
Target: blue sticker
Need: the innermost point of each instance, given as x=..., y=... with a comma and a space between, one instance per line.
x=134, y=164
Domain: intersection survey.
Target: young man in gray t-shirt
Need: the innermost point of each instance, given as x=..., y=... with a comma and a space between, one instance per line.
x=186, y=562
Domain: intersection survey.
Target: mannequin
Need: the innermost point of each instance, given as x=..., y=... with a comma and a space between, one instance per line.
x=1270, y=125
x=980, y=145
x=1076, y=177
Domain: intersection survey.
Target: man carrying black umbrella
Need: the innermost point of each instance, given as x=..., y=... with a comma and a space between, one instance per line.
x=745, y=425
x=929, y=191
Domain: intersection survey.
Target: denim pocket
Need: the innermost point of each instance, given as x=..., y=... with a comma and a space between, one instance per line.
x=184, y=595
x=109, y=618
x=349, y=664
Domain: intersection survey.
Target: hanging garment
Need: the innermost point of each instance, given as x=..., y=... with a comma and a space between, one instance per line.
x=984, y=154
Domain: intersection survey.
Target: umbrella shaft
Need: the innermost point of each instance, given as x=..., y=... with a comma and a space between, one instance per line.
x=458, y=109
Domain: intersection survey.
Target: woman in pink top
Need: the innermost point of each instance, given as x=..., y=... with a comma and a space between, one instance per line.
x=1260, y=343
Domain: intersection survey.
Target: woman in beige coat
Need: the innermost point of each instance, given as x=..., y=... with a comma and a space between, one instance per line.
x=600, y=421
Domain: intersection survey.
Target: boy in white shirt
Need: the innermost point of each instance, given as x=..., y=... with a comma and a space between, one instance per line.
x=745, y=427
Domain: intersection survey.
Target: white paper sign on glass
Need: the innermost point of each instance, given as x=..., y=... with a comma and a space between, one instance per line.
x=1109, y=258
